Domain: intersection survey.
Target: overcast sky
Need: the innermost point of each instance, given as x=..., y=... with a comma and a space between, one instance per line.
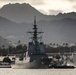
x=47, y=6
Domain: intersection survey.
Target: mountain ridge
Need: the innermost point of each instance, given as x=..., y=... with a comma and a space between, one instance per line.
x=13, y=26
x=25, y=12
x=20, y=12
x=58, y=30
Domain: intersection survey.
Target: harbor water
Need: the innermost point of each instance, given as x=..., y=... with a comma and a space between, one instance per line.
x=10, y=71
x=19, y=71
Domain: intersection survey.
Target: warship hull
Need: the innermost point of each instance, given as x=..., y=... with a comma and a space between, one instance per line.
x=38, y=65
x=30, y=65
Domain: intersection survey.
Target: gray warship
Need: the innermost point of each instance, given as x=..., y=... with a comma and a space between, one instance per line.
x=38, y=59
x=36, y=50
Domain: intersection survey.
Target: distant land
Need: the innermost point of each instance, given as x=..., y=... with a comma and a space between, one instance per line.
x=21, y=13
x=17, y=19
x=25, y=12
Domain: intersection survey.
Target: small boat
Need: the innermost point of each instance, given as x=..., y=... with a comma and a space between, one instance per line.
x=64, y=66
x=5, y=65
x=61, y=64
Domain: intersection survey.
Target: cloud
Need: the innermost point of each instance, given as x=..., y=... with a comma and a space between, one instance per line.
x=47, y=6
x=74, y=6
x=68, y=0
x=55, y=12
x=9, y=0
x=32, y=2
x=71, y=0
x=36, y=2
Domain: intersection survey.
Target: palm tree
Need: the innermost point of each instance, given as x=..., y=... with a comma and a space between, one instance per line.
x=63, y=44
x=51, y=44
x=66, y=44
x=3, y=46
x=19, y=42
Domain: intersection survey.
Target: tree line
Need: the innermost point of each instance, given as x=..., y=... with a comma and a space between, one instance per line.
x=19, y=49
x=51, y=48
x=55, y=48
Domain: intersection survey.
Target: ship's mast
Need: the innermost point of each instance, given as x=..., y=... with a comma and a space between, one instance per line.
x=35, y=31
x=35, y=35
x=35, y=38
